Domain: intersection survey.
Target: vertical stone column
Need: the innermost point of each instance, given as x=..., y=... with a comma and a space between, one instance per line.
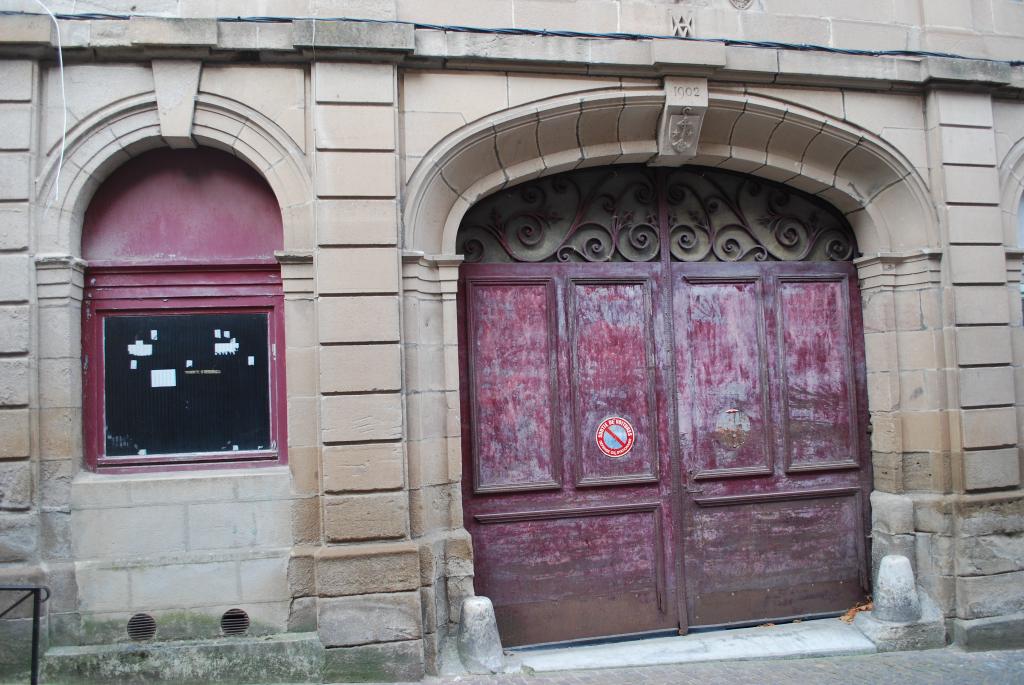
x=430, y=343
x=19, y=503
x=18, y=521
x=301, y=342
x=961, y=138
x=901, y=295
x=985, y=520
x=60, y=280
x=366, y=571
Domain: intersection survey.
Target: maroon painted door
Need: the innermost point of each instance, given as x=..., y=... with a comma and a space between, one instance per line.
x=568, y=542
x=769, y=383
x=677, y=304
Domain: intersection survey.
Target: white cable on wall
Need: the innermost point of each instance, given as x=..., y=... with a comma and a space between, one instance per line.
x=64, y=104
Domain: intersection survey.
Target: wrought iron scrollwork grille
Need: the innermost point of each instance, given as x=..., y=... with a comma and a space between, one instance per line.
x=627, y=213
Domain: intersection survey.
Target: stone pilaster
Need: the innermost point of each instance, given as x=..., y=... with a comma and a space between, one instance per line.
x=906, y=365
x=23, y=529
x=981, y=539
x=366, y=511
x=18, y=515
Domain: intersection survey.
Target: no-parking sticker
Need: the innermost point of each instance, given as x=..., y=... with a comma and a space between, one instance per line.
x=615, y=436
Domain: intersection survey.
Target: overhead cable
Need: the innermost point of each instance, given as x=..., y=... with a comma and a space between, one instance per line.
x=454, y=28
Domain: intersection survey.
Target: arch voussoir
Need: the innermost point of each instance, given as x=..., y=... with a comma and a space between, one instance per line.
x=852, y=169
x=99, y=144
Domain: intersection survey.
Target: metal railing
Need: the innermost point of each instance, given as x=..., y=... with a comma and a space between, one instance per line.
x=39, y=594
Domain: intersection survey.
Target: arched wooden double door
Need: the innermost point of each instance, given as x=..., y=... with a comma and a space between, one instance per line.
x=664, y=409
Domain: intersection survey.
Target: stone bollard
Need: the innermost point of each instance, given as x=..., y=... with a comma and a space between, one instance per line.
x=479, y=644
x=895, y=595
x=903, y=617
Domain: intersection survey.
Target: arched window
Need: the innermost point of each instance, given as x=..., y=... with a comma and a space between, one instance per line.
x=183, y=315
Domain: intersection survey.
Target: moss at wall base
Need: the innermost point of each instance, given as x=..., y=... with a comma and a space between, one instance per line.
x=292, y=658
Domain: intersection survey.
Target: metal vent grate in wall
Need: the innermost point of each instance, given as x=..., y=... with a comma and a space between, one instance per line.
x=141, y=627
x=234, y=622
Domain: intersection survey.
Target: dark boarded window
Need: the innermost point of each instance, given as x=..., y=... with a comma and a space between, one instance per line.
x=182, y=316
x=186, y=383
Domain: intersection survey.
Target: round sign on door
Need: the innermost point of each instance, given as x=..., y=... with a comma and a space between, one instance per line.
x=615, y=437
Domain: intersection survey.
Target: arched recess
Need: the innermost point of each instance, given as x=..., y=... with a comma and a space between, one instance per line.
x=183, y=308
x=97, y=145
x=1011, y=184
x=873, y=184
x=595, y=303
x=111, y=136
x=881, y=194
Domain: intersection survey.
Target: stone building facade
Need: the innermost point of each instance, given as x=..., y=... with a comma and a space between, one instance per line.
x=376, y=129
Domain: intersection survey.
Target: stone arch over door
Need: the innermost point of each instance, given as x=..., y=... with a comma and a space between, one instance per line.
x=883, y=196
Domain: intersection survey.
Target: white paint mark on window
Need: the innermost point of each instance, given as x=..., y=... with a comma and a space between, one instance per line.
x=225, y=348
x=135, y=363
x=142, y=453
x=234, y=448
x=216, y=333
x=252, y=361
x=152, y=334
x=139, y=349
x=188, y=363
x=163, y=378
x=227, y=334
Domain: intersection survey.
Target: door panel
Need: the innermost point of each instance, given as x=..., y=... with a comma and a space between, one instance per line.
x=723, y=376
x=819, y=422
x=764, y=558
x=612, y=349
x=580, y=573
x=513, y=355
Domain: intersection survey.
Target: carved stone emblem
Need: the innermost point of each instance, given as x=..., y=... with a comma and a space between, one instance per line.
x=683, y=131
x=741, y=4
x=682, y=26
x=686, y=102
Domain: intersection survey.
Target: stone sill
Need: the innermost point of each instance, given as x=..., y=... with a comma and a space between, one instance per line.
x=212, y=40
x=100, y=490
x=181, y=559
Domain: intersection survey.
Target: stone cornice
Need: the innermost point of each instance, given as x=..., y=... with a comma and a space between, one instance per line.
x=144, y=37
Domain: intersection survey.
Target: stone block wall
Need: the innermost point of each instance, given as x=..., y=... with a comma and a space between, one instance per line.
x=375, y=140
x=181, y=547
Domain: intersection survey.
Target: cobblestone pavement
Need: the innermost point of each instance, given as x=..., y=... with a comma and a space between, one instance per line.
x=949, y=666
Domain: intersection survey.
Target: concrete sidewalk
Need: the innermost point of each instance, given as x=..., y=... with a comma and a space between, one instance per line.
x=806, y=639
x=949, y=666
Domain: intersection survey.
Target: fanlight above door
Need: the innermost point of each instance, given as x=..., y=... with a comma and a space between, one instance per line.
x=627, y=213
